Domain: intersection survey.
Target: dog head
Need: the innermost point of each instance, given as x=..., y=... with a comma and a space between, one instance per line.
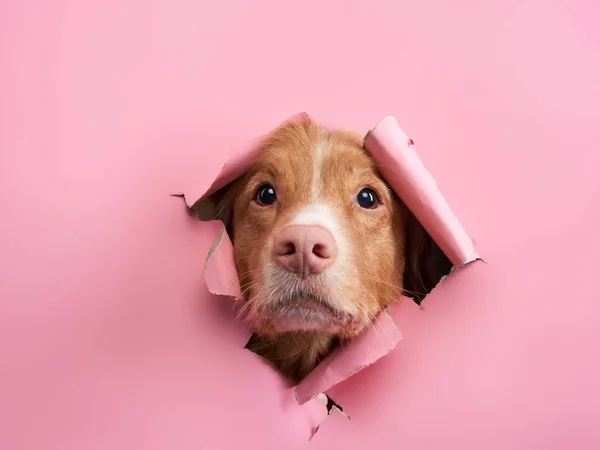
x=322, y=244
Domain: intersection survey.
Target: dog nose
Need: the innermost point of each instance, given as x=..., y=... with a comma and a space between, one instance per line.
x=304, y=249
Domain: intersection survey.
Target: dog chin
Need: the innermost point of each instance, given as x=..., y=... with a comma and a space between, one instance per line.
x=305, y=315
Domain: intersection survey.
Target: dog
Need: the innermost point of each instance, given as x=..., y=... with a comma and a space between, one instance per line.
x=321, y=245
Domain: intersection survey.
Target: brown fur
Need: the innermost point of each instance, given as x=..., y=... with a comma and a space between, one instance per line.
x=383, y=240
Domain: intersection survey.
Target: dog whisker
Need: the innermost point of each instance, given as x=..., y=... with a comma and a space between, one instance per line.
x=322, y=244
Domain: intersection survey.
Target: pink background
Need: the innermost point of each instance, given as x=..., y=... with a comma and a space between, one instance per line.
x=108, y=337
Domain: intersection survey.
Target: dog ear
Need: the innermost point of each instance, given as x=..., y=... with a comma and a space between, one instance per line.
x=426, y=264
x=217, y=206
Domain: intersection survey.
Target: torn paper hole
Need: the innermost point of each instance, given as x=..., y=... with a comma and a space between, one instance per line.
x=449, y=245
x=402, y=168
x=331, y=407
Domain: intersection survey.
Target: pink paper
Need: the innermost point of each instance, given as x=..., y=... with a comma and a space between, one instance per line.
x=403, y=170
x=109, y=337
x=400, y=165
x=373, y=344
x=220, y=274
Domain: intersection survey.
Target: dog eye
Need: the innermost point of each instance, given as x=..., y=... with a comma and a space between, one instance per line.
x=367, y=198
x=266, y=195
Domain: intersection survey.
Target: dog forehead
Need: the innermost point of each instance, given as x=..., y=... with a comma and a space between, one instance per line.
x=319, y=153
x=341, y=161
x=286, y=161
x=308, y=165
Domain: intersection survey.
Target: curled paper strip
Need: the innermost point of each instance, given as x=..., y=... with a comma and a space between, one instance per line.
x=402, y=168
x=399, y=164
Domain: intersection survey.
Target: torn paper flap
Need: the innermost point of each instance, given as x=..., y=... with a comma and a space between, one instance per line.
x=345, y=361
x=399, y=164
x=316, y=413
x=220, y=274
x=236, y=165
x=374, y=343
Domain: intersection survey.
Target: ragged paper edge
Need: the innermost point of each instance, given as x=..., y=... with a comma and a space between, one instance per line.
x=213, y=248
x=182, y=196
x=232, y=292
x=325, y=376
x=447, y=219
x=380, y=346
x=331, y=407
x=449, y=275
x=214, y=186
x=237, y=161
